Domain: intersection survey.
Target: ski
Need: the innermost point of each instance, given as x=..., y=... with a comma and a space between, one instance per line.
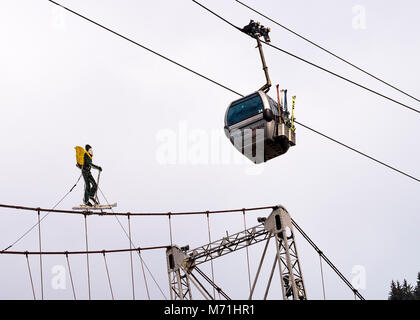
x=95, y=207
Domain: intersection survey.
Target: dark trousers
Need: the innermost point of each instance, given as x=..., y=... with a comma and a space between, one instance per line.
x=90, y=186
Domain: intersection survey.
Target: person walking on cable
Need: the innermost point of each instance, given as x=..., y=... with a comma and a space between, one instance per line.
x=90, y=183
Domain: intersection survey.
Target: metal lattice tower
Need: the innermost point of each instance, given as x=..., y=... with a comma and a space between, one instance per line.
x=179, y=282
x=280, y=224
x=183, y=263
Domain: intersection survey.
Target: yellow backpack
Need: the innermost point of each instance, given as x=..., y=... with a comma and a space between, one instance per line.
x=80, y=156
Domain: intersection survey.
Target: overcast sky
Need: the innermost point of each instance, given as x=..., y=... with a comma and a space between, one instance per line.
x=66, y=82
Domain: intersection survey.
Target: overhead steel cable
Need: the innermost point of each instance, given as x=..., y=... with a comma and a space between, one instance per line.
x=326, y=50
x=142, y=46
x=359, y=152
x=311, y=63
x=231, y=90
x=341, y=77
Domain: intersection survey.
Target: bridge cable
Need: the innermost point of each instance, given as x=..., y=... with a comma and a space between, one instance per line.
x=170, y=228
x=30, y=276
x=211, y=260
x=322, y=276
x=40, y=257
x=142, y=263
x=87, y=256
x=141, y=259
x=212, y=283
x=131, y=257
x=247, y=254
x=333, y=267
x=35, y=225
x=81, y=252
x=71, y=277
x=109, y=278
x=149, y=214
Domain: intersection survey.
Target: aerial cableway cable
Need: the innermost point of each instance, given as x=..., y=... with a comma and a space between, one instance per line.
x=359, y=152
x=326, y=50
x=233, y=91
x=144, y=47
x=313, y=64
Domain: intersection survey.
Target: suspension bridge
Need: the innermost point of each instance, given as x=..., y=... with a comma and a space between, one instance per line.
x=184, y=273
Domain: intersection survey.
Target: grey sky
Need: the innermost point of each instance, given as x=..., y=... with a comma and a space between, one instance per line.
x=66, y=82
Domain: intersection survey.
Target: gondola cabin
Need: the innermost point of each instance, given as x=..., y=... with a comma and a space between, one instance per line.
x=259, y=127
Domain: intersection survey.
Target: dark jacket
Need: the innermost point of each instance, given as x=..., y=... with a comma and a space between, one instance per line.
x=88, y=164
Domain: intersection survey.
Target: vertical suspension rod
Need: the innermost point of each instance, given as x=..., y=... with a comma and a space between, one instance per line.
x=87, y=256
x=40, y=254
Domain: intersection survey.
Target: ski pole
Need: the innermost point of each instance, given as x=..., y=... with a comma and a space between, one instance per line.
x=97, y=187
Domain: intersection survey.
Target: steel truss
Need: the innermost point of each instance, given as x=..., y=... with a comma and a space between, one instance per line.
x=182, y=262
